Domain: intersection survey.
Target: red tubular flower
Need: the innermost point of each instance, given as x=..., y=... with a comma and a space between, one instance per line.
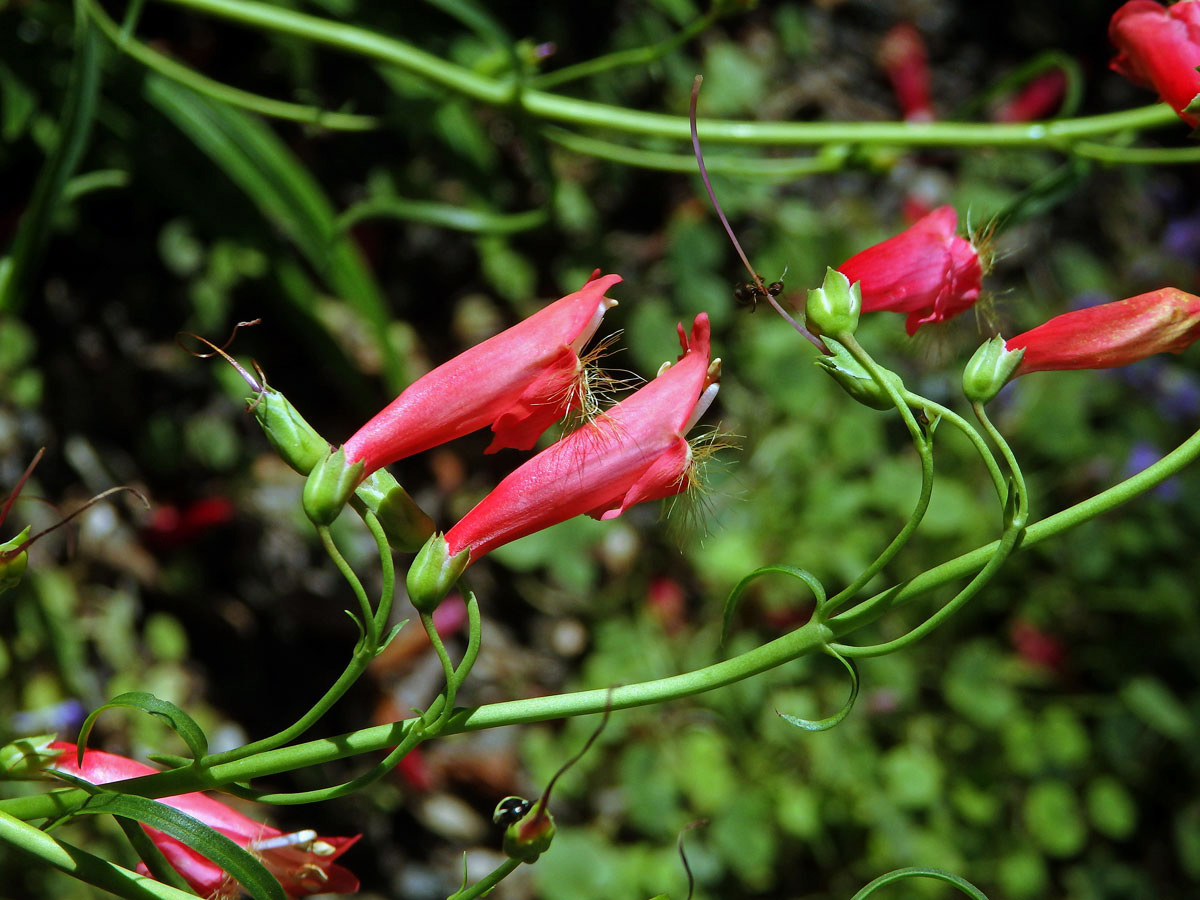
x=927, y=271
x=636, y=451
x=302, y=861
x=519, y=382
x=1111, y=334
x=1159, y=48
x=902, y=56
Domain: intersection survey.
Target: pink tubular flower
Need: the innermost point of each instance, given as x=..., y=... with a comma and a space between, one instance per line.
x=1159, y=48
x=1037, y=99
x=302, y=861
x=636, y=451
x=902, y=57
x=519, y=382
x=927, y=271
x=1111, y=334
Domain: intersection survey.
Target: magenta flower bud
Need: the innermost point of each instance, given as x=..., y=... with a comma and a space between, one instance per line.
x=634, y=452
x=926, y=271
x=302, y=861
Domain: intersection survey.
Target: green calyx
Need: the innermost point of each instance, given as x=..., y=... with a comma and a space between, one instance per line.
x=329, y=487
x=834, y=307
x=855, y=380
x=13, y=562
x=529, y=837
x=26, y=757
x=406, y=525
x=434, y=572
x=296, y=442
x=990, y=369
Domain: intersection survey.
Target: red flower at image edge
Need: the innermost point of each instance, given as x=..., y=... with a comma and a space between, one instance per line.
x=519, y=382
x=927, y=271
x=1159, y=49
x=303, y=862
x=634, y=452
x=1111, y=334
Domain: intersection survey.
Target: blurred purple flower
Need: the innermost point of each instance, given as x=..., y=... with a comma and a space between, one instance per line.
x=1182, y=237
x=1143, y=455
x=66, y=716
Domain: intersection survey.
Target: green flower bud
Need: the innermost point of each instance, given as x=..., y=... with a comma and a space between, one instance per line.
x=329, y=486
x=989, y=370
x=25, y=757
x=834, y=307
x=434, y=572
x=855, y=380
x=13, y=564
x=297, y=443
x=406, y=525
x=529, y=837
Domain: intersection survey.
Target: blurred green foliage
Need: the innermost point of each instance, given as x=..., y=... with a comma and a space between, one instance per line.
x=1042, y=744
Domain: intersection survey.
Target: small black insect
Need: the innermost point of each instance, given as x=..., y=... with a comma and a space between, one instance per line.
x=511, y=810
x=748, y=293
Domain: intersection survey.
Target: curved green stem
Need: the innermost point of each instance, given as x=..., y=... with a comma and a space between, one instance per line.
x=364, y=604
x=864, y=359
x=806, y=639
x=543, y=105
x=635, y=56
x=1021, y=515
x=971, y=434
x=387, y=566
x=202, y=84
x=487, y=882
x=862, y=613
x=452, y=682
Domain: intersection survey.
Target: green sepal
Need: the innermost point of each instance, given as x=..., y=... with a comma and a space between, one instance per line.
x=989, y=369
x=179, y=721
x=406, y=525
x=531, y=836
x=329, y=486
x=855, y=380
x=434, y=572
x=835, y=306
x=296, y=442
x=26, y=757
x=829, y=721
x=12, y=567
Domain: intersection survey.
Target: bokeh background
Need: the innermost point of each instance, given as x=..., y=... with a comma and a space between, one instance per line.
x=1043, y=743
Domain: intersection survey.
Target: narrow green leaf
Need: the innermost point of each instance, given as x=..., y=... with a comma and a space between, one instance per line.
x=735, y=596
x=149, y=854
x=251, y=874
x=179, y=721
x=915, y=872
x=830, y=721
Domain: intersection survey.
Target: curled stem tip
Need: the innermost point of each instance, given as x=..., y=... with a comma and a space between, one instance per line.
x=258, y=385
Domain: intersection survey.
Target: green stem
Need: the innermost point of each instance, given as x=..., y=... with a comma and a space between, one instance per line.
x=973, y=435
x=364, y=604
x=387, y=566
x=540, y=104
x=864, y=359
x=865, y=612
x=635, y=56
x=489, y=881
x=35, y=844
x=1022, y=504
x=451, y=690
x=791, y=646
x=1137, y=156
x=202, y=84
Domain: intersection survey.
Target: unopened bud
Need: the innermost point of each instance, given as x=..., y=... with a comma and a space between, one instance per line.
x=296, y=442
x=329, y=486
x=530, y=836
x=990, y=369
x=406, y=525
x=25, y=757
x=855, y=380
x=13, y=562
x=434, y=572
x=834, y=307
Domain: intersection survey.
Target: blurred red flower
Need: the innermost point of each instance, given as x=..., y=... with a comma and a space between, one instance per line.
x=1159, y=48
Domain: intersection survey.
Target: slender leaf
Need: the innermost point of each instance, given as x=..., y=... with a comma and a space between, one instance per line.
x=179, y=721
x=735, y=596
x=914, y=872
x=251, y=874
